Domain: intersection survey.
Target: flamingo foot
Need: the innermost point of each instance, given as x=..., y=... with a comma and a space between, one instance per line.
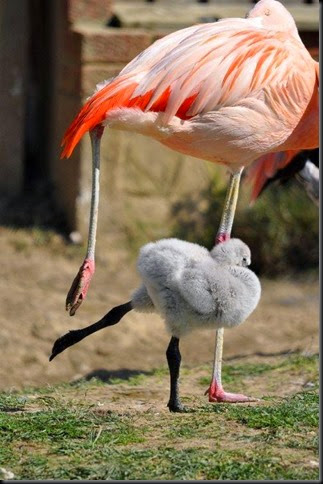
x=80, y=286
x=176, y=407
x=217, y=394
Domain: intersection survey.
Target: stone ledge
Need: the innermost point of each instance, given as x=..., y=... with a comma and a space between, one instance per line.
x=176, y=15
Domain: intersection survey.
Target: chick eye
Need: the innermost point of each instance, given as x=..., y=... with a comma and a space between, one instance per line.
x=244, y=259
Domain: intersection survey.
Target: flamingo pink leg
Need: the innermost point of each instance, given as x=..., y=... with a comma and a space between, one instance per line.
x=80, y=285
x=217, y=394
x=215, y=390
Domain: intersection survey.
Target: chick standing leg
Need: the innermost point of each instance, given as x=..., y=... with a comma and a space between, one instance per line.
x=174, y=362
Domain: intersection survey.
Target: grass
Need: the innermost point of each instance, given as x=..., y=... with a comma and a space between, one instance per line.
x=64, y=432
x=297, y=412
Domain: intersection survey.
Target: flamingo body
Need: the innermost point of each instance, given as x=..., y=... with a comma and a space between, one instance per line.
x=227, y=92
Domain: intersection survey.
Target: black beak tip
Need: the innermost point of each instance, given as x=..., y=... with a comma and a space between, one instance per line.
x=56, y=350
x=54, y=353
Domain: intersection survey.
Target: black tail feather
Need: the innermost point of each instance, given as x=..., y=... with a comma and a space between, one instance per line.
x=76, y=335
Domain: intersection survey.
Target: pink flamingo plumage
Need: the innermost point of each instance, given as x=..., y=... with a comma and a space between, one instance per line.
x=276, y=165
x=228, y=92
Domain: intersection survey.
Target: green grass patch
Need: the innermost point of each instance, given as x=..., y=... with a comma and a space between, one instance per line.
x=60, y=432
x=299, y=411
x=11, y=402
x=162, y=463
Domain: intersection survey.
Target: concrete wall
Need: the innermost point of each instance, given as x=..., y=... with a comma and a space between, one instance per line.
x=13, y=75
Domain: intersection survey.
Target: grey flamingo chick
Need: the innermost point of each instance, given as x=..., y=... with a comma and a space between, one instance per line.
x=190, y=288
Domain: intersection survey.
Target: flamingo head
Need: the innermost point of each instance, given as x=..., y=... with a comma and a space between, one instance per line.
x=274, y=16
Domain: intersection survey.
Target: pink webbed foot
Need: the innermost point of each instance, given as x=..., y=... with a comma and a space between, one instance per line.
x=80, y=286
x=217, y=394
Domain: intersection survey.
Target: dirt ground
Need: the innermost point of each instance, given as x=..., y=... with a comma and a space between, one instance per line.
x=36, y=273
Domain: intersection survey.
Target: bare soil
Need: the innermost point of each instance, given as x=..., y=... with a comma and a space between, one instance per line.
x=37, y=270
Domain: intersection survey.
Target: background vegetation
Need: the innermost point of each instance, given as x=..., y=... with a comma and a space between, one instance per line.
x=281, y=227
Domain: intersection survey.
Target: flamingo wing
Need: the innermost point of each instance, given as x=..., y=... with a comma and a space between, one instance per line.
x=277, y=165
x=265, y=168
x=196, y=290
x=203, y=68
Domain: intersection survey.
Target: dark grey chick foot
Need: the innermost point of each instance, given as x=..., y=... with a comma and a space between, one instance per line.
x=176, y=407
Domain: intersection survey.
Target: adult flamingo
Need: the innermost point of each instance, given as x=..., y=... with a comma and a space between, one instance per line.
x=227, y=92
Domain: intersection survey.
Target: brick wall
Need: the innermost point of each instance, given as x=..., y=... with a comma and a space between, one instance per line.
x=87, y=10
x=105, y=51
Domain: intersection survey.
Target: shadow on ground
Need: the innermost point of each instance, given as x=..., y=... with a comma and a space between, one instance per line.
x=107, y=376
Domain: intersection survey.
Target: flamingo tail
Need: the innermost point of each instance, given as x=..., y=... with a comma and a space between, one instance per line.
x=265, y=168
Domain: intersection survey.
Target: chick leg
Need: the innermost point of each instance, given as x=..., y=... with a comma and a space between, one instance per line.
x=174, y=362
